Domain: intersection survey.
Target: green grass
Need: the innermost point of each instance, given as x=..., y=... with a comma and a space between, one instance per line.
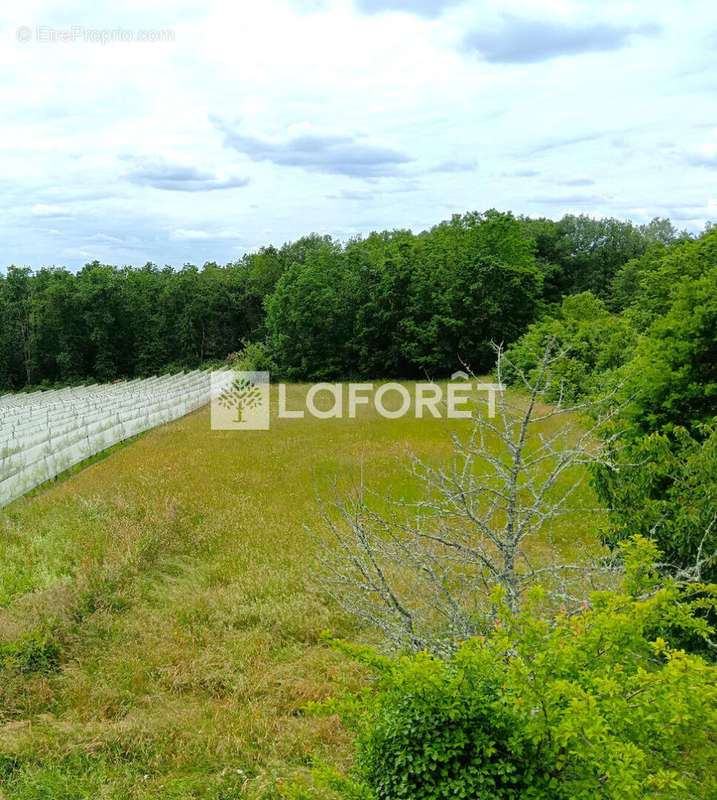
x=159, y=619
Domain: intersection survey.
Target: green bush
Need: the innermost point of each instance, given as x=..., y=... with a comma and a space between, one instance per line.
x=673, y=376
x=668, y=494
x=253, y=357
x=448, y=731
x=31, y=652
x=666, y=486
x=597, y=342
x=587, y=706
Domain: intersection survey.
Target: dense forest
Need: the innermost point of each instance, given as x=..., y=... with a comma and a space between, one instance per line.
x=391, y=304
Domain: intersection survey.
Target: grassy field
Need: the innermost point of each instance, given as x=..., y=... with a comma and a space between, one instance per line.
x=159, y=622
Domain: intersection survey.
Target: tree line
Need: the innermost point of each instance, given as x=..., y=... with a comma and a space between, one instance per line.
x=393, y=303
x=653, y=340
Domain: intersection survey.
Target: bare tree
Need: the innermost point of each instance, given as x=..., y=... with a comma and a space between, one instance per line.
x=423, y=571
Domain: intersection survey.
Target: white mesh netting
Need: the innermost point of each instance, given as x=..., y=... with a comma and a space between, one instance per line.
x=44, y=433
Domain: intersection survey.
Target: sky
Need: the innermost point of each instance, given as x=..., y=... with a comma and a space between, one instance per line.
x=185, y=132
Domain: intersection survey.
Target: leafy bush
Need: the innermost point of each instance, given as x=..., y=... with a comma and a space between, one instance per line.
x=446, y=730
x=253, y=357
x=669, y=495
x=597, y=344
x=31, y=652
x=667, y=486
x=673, y=376
x=589, y=706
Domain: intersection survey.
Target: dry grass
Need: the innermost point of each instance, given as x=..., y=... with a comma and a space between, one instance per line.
x=176, y=579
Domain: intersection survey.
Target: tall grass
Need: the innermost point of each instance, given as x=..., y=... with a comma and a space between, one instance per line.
x=159, y=619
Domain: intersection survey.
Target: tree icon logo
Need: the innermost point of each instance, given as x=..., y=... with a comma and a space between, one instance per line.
x=245, y=395
x=242, y=395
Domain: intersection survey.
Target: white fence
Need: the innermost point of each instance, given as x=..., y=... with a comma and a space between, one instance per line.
x=44, y=433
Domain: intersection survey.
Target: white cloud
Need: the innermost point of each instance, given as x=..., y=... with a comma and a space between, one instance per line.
x=317, y=150
x=189, y=234
x=705, y=153
x=344, y=116
x=45, y=210
x=523, y=40
x=161, y=174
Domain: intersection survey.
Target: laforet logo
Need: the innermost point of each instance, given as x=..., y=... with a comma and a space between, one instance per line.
x=240, y=400
x=243, y=395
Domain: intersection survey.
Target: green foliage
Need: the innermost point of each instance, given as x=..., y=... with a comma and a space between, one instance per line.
x=475, y=281
x=580, y=254
x=448, y=731
x=253, y=357
x=645, y=287
x=308, y=316
x=674, y=373
x=403, y=305
x=597, y=344
x=662, y=351
x=391, y=304
x=105, y=322
x=669, y=495
x=667, y=488
x=31, y=652
x=587, y=706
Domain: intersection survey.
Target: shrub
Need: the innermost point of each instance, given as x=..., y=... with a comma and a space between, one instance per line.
x=31, y=652
x=597, y=344
x=446, y=730
x=586, y=707
x=669, y=495
x=253, y=357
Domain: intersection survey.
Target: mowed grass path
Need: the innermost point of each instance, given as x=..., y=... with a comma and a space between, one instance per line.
x=178, y=582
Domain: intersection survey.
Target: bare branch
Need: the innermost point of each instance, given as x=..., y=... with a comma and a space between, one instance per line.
x=423, y=571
